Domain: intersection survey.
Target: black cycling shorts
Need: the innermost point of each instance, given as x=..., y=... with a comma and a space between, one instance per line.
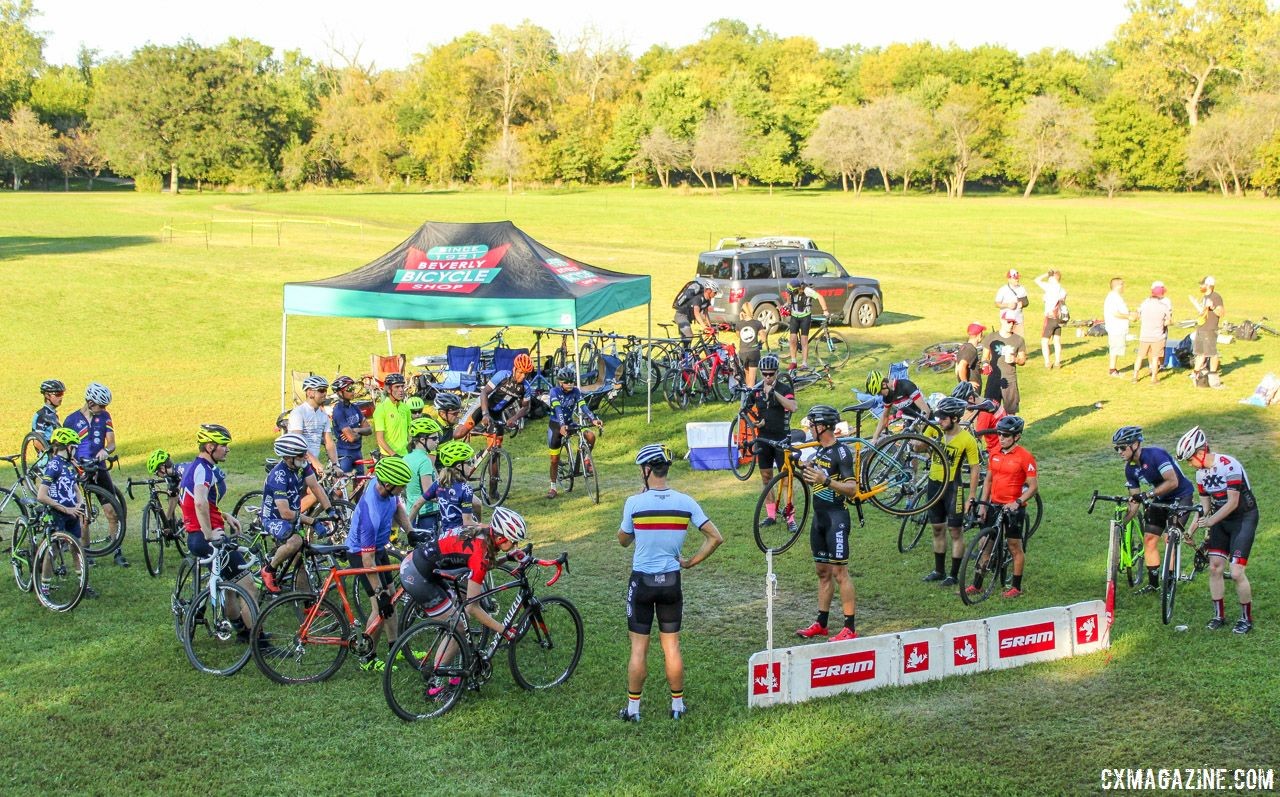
x=1158, y=516
x=768, y=456
x=1017, y=523
x=948, y=509
x=379, y=558
x=799, y=325
x=749, y=359
x=430, y=595
x=829, y=535
x=654, y=593
x=1232, y=538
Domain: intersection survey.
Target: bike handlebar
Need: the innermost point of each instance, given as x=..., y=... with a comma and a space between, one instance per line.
x=144, y=482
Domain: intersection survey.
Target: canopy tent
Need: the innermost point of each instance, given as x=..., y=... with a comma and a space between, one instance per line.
x=455, y=274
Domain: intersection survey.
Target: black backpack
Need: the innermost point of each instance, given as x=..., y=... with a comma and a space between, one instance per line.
x=1247, y=330
x=675, y=303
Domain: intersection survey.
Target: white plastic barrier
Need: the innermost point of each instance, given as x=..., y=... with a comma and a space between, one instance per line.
x=964, y=647
x=822, y=670
x=1090, y=632
x=921, y=657
x=769, y=673
x=1024, y=637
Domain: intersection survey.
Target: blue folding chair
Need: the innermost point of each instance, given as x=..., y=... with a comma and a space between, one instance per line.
x=609, y=392
x=505, y=359
x=463, y=371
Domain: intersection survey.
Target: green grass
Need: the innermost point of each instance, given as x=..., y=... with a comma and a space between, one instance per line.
x=103, y=700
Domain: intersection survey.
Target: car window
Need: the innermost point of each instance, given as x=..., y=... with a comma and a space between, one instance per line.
x=757, y=267
x=715, y=267
x=788, y=266
x=818, y=266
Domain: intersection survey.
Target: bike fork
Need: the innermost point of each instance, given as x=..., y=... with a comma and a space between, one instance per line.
x=857, y=505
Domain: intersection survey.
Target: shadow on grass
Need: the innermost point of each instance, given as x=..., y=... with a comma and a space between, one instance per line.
x=888, y=317
x=1052, y=423
x=1240, y=362
x=32, y=245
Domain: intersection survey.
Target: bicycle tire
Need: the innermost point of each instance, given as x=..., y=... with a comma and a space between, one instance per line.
x=542, y=634
x=211, y=640
x=1136, y=552
x=248, y=511
x=1169, y=573
x=415, y=664
x=186, y=586
x=949, y=347
x=895, y=473
x=591, y=476
x=283, y=655
x=741, y=432
x=22, y=553
x=912, y=527
x=831, y=348
x=789, y=531
x=153, y=539
x=11, y=509
x=33, y=449
x=101, y=540
x=62, y=589
x=972, y=568
x=1038, y=513
x=493, y=493
x=588, y=356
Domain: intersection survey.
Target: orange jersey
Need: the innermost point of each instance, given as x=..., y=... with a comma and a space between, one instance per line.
x=1009, y=472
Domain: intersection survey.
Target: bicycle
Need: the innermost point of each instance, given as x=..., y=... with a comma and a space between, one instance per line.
x=50, y=563
x=829, y=347
x=743, y=432
x=159, y=530
x=987, y=554
x=804, y=376
x=1128, y=536
x=12, y=506
x=433, y=662
x=938, y=357
x=492, y=467
x=579, y=464
x=1171, y=572
x=215, y=626
x=98, y=526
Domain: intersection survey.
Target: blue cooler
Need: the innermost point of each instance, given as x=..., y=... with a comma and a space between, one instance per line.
x=707, y=445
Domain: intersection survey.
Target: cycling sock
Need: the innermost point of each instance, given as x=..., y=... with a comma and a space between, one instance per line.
x=771, y=509
x=848, y=623
x=823, y=617
x=1153, y=576
x=633, y=702
x=1017, y=582
x=677, y=700
x=1218, y=611
x=938, y=560
x=1246, y=612
x=955, y=567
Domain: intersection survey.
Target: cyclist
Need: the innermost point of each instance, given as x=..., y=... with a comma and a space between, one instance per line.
x=900, y=396
x=416, y=407
x=982, y=421
x=1011, y=482
x=830, y=471
x=161, y=466
x=379, y=507
x=348, y=427
x=567, y=403
x=424, y=436
x=774, y=400
x=46, y=418
x=391, y=419
x=448, y=410
x=656, y=521
x=799, y=308
x=497, y=395
x=948, y=513
x=750, y=334
x=282, y=515
x=309, y=420
x=92, y=423
x=1231, y=518
x=59, y=490
x=691, y=305
x=459, y=505
x=1154, y=466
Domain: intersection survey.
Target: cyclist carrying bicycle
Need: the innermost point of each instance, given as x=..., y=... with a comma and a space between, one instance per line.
x=348, y=427
x=379, y=507
x=799, y=309
x=424, y=436
x=92, y=423
x=46, y=418
x=900, y=396
x=459, y=505
x=830, y=472
x=774, y=400
x=282, y=515
x=567, y=403
x=59, y=490
x=1168, y=484
x=948, y=514
x=1011, y=482
x=1231, y=518
x=448, y=410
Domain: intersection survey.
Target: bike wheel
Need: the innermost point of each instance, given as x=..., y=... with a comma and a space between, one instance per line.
x=153, y=539
x=674, y=389
x=426, y=671
x=549, y=646
x=22, y=554
x=912, y=527
x=570, y=466
x=99, y=503
x=343, y=510
x=61, y=572
x=248, y=510
x=185, y=588
x=793, y=499
x=33, y=448
x=979, y=557
x=588, y=357
x=895, y=473
x=1035, y=513
x=1169, y=573
x=830, y=348
x=590, y=477
x=495, y=480
x=1133, y=532
x=214, y=642
x=11, y=510
x=296, y=641
x=739, y=448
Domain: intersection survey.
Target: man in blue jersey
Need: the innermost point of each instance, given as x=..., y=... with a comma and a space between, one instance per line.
x=1168, y=484
x=46, y=418
x=567, y=404
x=349, y=426
x=98, y=443
x=656, y=521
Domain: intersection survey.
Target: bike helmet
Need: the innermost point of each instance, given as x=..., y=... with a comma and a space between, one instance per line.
x=97, y=393
x=965, y=391
x=213, y=433
x=454, y=452
x=713, y=286
x=315, y=382
x=654, y=454
x=447, y=401
x=63, y=436
x=1010, y=424
x=567, y=373
x=343, y=382
x=157, y=460
x=1191, y=442
x=415, y=403
x=392, y=472
x=393, y=379
x=875, y=382
x=950, y=407
x=424, y=427
x=795, y=286
x=769, y=362
x=824, y=414
x=290, y=445
x=523, y=364
x=1126, y=435
x=52, y=386
x=508, y=524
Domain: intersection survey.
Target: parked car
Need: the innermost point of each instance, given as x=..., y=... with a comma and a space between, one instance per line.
x=757, y=271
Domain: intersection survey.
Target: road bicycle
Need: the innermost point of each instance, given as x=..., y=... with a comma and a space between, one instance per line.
x=938, y=357
x=579, y=463
x=987, y=559
x=11, y=506
x=826, y=345
x=491, y=468
x=50, y=563
x=743, y=431
x=159, y=529
x=216, y=623
x=100, y=504
x=435, y=661
x=1128, y=537
x=1172, y=572
x=804, y=376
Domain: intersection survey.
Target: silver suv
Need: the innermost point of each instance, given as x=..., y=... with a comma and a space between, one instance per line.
x=757, y=271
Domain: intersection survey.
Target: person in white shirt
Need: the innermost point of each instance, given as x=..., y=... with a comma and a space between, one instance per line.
x=1115, y=319
x=311, y=421
x=1055, y=299
x=1012, y=297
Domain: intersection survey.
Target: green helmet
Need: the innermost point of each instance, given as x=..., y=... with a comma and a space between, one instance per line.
x=415, y=403
x=63, y=436
x=157, y=460
x=392, y=472
x=453, y=452
x=875, y=382
x=424, y=427
x=213, y=433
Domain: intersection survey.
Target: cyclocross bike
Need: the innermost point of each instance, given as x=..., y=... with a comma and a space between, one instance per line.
x=159, y=530
x=987, y=558
x=1128, y=537
x=743, y=432
x=216, y=623
x=492, y=468
x=828, y=347
x=51, y=563
x=579, y=464
x=1172, y=571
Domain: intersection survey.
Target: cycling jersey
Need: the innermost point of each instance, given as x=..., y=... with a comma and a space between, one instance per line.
x=903, y=394
x=392, y=419
x=60, y=478
x=419, y=461
x=565, y=404
x=658, y=520
x=346, y=415
x=455, y=502
x=1225, y=473
x=1153, y=464
x=288, y=484
x=1009, y=472
x=961, y=449
x=202, y=471
x=311, y=423
x=800, y=303
x=93, y=432
x=987, y=420
x=371, y=522
x=449, y=551
x=45, y=421
x=503, y=389
x=837, y=461
x=777, y=420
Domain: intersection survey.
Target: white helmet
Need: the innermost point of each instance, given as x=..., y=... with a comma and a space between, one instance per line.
x=315, y=382
x=290, y=445
x=508, y=523
x=1192, y=442
x=97, y=393
x=711, y=285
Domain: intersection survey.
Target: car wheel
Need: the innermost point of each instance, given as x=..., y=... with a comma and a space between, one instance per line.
x=768, y=316
x=864, y=313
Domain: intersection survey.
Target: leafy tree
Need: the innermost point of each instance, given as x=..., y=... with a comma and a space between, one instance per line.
x=964, y=124
x=1138, y=145
x=78, y=153
x=840, y=146
x=1050, y=137
x=21, y=53
x=25, y=142
x=769, y=162
x=1228, y=146
x=60, y=97
x=660, y=151
x=720, y=144
x=897, y=129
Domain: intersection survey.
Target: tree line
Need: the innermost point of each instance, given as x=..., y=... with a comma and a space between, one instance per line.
x=1186, y=95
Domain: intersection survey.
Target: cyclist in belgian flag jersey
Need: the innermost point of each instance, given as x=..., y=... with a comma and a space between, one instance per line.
x=1156, y=467
x=830, y=472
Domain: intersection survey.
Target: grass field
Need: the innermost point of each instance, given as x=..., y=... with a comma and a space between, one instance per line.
x=103, y=701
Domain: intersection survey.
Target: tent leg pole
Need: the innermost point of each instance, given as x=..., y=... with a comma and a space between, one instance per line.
x=284, y=344
x=390, y=350
x=648, y=370
x=577, y=366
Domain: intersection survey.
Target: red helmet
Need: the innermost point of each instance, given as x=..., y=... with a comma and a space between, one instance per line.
x=523, y=364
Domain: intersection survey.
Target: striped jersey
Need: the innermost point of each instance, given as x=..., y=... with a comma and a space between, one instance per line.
x=659, y=520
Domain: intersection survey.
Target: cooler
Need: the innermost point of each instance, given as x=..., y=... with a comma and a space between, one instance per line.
x=707, y=449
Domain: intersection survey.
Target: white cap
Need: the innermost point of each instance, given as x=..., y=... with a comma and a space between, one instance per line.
x=1208, y=282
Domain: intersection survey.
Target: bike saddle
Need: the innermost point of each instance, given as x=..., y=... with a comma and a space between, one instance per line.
x=987, y=405
x=862, y=406
x=332, y=550
x=452, y=573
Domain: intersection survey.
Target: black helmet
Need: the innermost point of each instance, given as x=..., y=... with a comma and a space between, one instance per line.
x=394, y=379
x=447, y=401
x=950, y=407
x=1126, y=435
x=52, y=386
x=824, y=414
x=1010, y=424
x=965, y=391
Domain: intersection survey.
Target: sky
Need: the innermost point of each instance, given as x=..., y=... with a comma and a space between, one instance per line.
x=388, y=34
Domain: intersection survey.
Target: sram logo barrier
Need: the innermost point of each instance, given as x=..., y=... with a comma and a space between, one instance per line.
x=797, y=674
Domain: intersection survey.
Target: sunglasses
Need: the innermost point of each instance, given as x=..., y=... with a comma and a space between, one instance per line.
x=768, y=373
x=1124, y=447
x=1005, y=434
x=57, y=393
x=320, y=389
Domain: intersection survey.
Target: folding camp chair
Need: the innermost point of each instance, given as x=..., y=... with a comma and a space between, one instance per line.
x=505, y=359
x=609, y=390
x=464, y=369
x=383, y=365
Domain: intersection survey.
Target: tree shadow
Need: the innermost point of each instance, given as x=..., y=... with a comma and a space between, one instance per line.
x=887, y=318
x=16, y=246
x=1239, y=362
x=1052, y=423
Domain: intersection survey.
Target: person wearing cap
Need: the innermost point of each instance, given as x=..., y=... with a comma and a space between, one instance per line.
x=1154, y=316
x=391, y=419
x=1055, y=300
x=1205, y=342
x=1115, y=319
x=1012, y=298
x=1002, y=352
x=969, y=356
